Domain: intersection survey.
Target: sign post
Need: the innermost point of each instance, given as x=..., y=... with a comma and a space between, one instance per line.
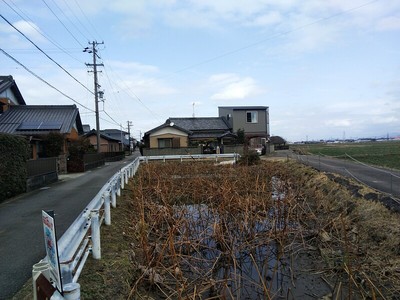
x=50, y=240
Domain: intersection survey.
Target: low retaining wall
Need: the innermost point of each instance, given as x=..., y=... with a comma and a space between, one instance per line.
x=38, y=181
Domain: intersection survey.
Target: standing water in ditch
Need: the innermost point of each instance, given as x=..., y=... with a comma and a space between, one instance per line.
x=216, y=236
x=239, y=260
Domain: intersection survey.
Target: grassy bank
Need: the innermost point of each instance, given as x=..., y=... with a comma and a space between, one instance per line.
x=385, y=154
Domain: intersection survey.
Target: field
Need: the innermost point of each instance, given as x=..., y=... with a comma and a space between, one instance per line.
x=385, y=154
x=274, y=230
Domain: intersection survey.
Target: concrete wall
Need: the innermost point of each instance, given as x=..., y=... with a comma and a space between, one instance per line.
x=35, y=182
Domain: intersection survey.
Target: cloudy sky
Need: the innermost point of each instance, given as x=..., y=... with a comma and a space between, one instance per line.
x=325, y=68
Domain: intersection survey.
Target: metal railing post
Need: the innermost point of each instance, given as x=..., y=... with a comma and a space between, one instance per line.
x=113, y=195
x=119, y=185
x=107, y=208
x=95, y=231
x=126, y=176
x=122, y=178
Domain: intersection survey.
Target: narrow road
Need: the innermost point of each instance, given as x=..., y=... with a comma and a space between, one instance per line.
x=381, y=179
x=21, y=230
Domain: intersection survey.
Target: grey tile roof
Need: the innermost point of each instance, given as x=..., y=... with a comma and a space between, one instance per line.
x=34, y=119
x=104, y=136
x=7, y=82
x=201, y=124
x=115, y=134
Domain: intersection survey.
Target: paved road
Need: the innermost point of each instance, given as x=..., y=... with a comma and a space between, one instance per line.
x=384, y=180
x=21, y=230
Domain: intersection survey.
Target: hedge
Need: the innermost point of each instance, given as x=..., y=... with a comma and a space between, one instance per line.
x=14, y=151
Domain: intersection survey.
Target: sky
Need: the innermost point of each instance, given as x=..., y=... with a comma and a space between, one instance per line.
x=326, y=69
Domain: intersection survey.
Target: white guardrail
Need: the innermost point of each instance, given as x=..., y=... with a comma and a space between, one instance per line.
x=83, y=236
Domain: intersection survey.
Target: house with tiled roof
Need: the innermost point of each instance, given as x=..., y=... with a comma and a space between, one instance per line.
x=107, y=143
x=36, y=121
x=211, y=132
x=184, y=132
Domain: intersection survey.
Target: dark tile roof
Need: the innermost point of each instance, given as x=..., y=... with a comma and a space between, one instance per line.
x=201, y=124
x=7, y=82
x=40, y=119
x=104, y=136
x=115, y=134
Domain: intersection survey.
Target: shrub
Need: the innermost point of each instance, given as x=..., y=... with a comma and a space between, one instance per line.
x=14, y=151
x=54, y=143
x=249, y=158
x=76, y=151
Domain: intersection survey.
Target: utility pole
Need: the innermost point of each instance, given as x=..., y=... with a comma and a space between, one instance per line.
x=129, y=134
x=96, y=86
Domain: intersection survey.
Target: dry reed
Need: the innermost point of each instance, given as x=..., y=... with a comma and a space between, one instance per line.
x=247, y=232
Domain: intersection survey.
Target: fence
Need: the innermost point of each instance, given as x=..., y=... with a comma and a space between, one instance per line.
x=41, y=166
x=93, y=160
x=83, y=236
x=114, y=156
x=188, y=150
x=40, y=172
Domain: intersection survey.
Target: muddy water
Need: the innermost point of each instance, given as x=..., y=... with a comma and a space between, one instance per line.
x=229, y=257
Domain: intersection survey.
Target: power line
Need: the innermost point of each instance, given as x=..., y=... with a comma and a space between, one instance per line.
x=87, y=19
x=73, y=13
x=73, y=24
x=115, y=122
x=62, y=23
x=127, y=88
x=38, y=31
x=37, y=47
x=44, y=81
x=114, y=94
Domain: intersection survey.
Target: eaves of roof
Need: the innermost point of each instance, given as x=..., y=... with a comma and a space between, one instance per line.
x=66, y=115
x=104, y=136
x=8, y=82
x=165, y=125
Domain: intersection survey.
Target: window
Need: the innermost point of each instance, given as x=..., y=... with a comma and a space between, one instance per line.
x=251, y=117
x=164, y=143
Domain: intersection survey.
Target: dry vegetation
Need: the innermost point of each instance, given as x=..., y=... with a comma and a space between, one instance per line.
x=275, y=230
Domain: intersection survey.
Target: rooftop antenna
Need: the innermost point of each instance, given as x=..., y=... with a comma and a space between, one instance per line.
x=193, y=108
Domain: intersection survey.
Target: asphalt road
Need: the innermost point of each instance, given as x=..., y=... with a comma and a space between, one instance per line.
x=21, y=230
x=381, y=179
